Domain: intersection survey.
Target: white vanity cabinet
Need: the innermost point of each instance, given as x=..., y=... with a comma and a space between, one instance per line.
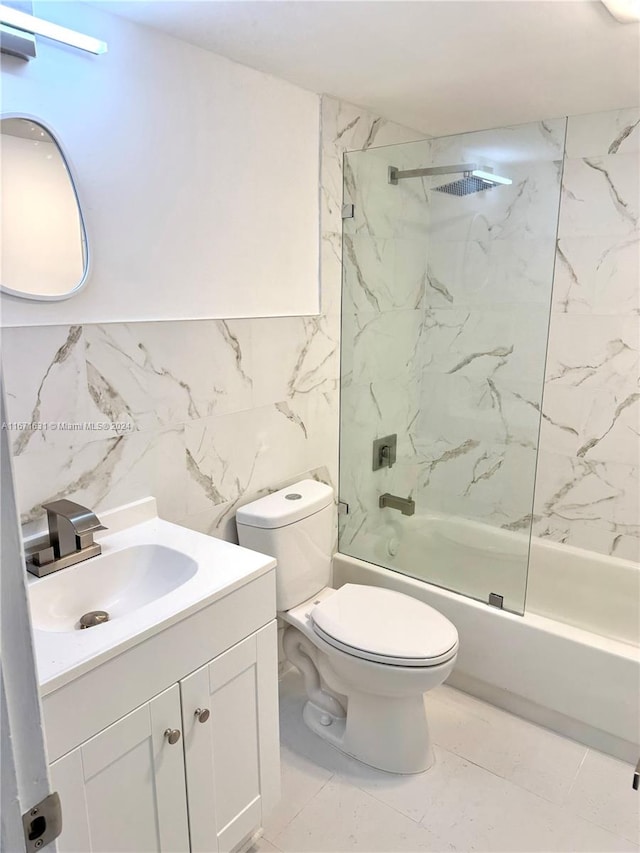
x=123, y=785
x=232, y=754
x=128, y=788
x=124, y=789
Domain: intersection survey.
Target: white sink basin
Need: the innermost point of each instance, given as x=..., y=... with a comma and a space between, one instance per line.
x=119, y=582
x=151, y=574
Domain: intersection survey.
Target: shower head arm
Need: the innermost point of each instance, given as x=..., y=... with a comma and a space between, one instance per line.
x=396, y=174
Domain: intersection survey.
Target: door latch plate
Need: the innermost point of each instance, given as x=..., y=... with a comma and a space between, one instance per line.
x=42, y=823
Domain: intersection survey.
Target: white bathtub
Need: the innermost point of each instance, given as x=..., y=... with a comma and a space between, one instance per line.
x=581, y=588
x=570, y=663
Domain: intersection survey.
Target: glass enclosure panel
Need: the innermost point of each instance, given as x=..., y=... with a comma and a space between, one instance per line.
x=445, y=312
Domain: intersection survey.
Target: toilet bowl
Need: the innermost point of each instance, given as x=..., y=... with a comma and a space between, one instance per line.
x=368, y=655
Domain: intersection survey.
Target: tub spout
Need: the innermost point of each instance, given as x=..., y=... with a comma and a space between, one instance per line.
x=407, y=506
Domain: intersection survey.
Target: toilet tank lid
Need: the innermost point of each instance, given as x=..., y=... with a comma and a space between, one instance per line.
x=287, y=505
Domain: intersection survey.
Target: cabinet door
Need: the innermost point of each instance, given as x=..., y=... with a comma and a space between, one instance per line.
x=233, y=757
x=124, y=789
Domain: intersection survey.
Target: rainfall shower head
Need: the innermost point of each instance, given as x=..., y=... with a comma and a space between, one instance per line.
x=474, y=181
x=475, y=178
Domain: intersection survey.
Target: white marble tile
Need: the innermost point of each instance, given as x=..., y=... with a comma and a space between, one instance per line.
x=377, y=203
x=600, y=196
x=599, y=424
x=535, y=758
x=591, y=534
x=107, y=474
x=382, y=274
x=505, y=342
x=581, y=493
x=247, y=451
x=592, y=352
x=542, y=140
x=598, y=134
x=489, y=410
x=602, y=793
x=380, y=346
x=322, y=419
x=348, y=128
x=379, y=408
x=293, y=357
x=597, y=275
x=478, y=480
x=155, y=374
x=483, y=271
x=331, y=273
x=45, y=384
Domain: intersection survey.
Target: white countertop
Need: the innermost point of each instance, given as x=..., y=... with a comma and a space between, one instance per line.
x=222, y=567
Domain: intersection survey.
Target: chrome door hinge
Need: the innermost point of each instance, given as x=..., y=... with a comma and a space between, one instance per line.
x=636, y=777
x=496, y=600
x=343, y=508
x=348, y=211
x=42, y=823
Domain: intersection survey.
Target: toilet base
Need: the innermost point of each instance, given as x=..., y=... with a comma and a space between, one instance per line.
x=387, y=733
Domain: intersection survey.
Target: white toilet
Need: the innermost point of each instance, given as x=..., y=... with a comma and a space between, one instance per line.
x=368, y=655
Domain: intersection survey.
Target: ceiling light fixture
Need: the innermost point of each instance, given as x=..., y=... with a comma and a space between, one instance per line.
x=38, y=27
x=625, y=11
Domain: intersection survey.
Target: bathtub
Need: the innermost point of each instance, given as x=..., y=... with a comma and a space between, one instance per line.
x=570, y=663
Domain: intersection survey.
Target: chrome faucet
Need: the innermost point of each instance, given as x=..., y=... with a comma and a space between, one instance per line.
x=70, y=541
x=407, y=506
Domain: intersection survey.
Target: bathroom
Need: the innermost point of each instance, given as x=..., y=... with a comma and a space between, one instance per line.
x=259, y=300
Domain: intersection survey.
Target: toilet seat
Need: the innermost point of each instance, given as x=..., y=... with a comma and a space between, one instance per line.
x=384, y=626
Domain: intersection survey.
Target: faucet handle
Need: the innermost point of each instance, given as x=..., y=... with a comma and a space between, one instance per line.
x=85, y=539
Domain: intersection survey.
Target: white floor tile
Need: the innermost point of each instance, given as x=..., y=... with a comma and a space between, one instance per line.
x=263, y=846
x=301, y=780
x=473, y=809
x=342, y=818
x=332, y=802
x=602, y=793
x=535, y=758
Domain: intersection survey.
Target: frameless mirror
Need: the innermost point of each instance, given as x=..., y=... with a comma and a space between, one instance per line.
x=44, y=246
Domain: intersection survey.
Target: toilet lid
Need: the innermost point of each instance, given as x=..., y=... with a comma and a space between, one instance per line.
x=385, y=626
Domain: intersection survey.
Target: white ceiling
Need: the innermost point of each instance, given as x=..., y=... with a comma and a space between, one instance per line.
x=440, y=66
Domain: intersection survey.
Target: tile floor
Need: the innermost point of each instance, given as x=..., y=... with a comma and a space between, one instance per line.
x=499, y=784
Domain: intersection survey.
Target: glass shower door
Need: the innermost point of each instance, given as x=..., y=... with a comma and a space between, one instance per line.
x=447, y=273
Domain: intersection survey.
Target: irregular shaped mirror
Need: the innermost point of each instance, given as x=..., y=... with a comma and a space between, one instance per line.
x=44, y=247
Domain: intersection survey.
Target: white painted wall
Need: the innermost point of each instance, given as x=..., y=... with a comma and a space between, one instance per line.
x=41, y=231
x=198, y=177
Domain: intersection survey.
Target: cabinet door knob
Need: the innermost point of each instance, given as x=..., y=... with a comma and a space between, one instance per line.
x=172, y=735
x=202, y=714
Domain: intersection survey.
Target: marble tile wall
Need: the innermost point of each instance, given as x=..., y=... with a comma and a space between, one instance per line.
x=211, y=414
x=384, y=284
x=588, y=480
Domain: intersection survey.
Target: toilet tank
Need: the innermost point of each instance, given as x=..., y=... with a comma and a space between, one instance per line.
x=294, y=525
